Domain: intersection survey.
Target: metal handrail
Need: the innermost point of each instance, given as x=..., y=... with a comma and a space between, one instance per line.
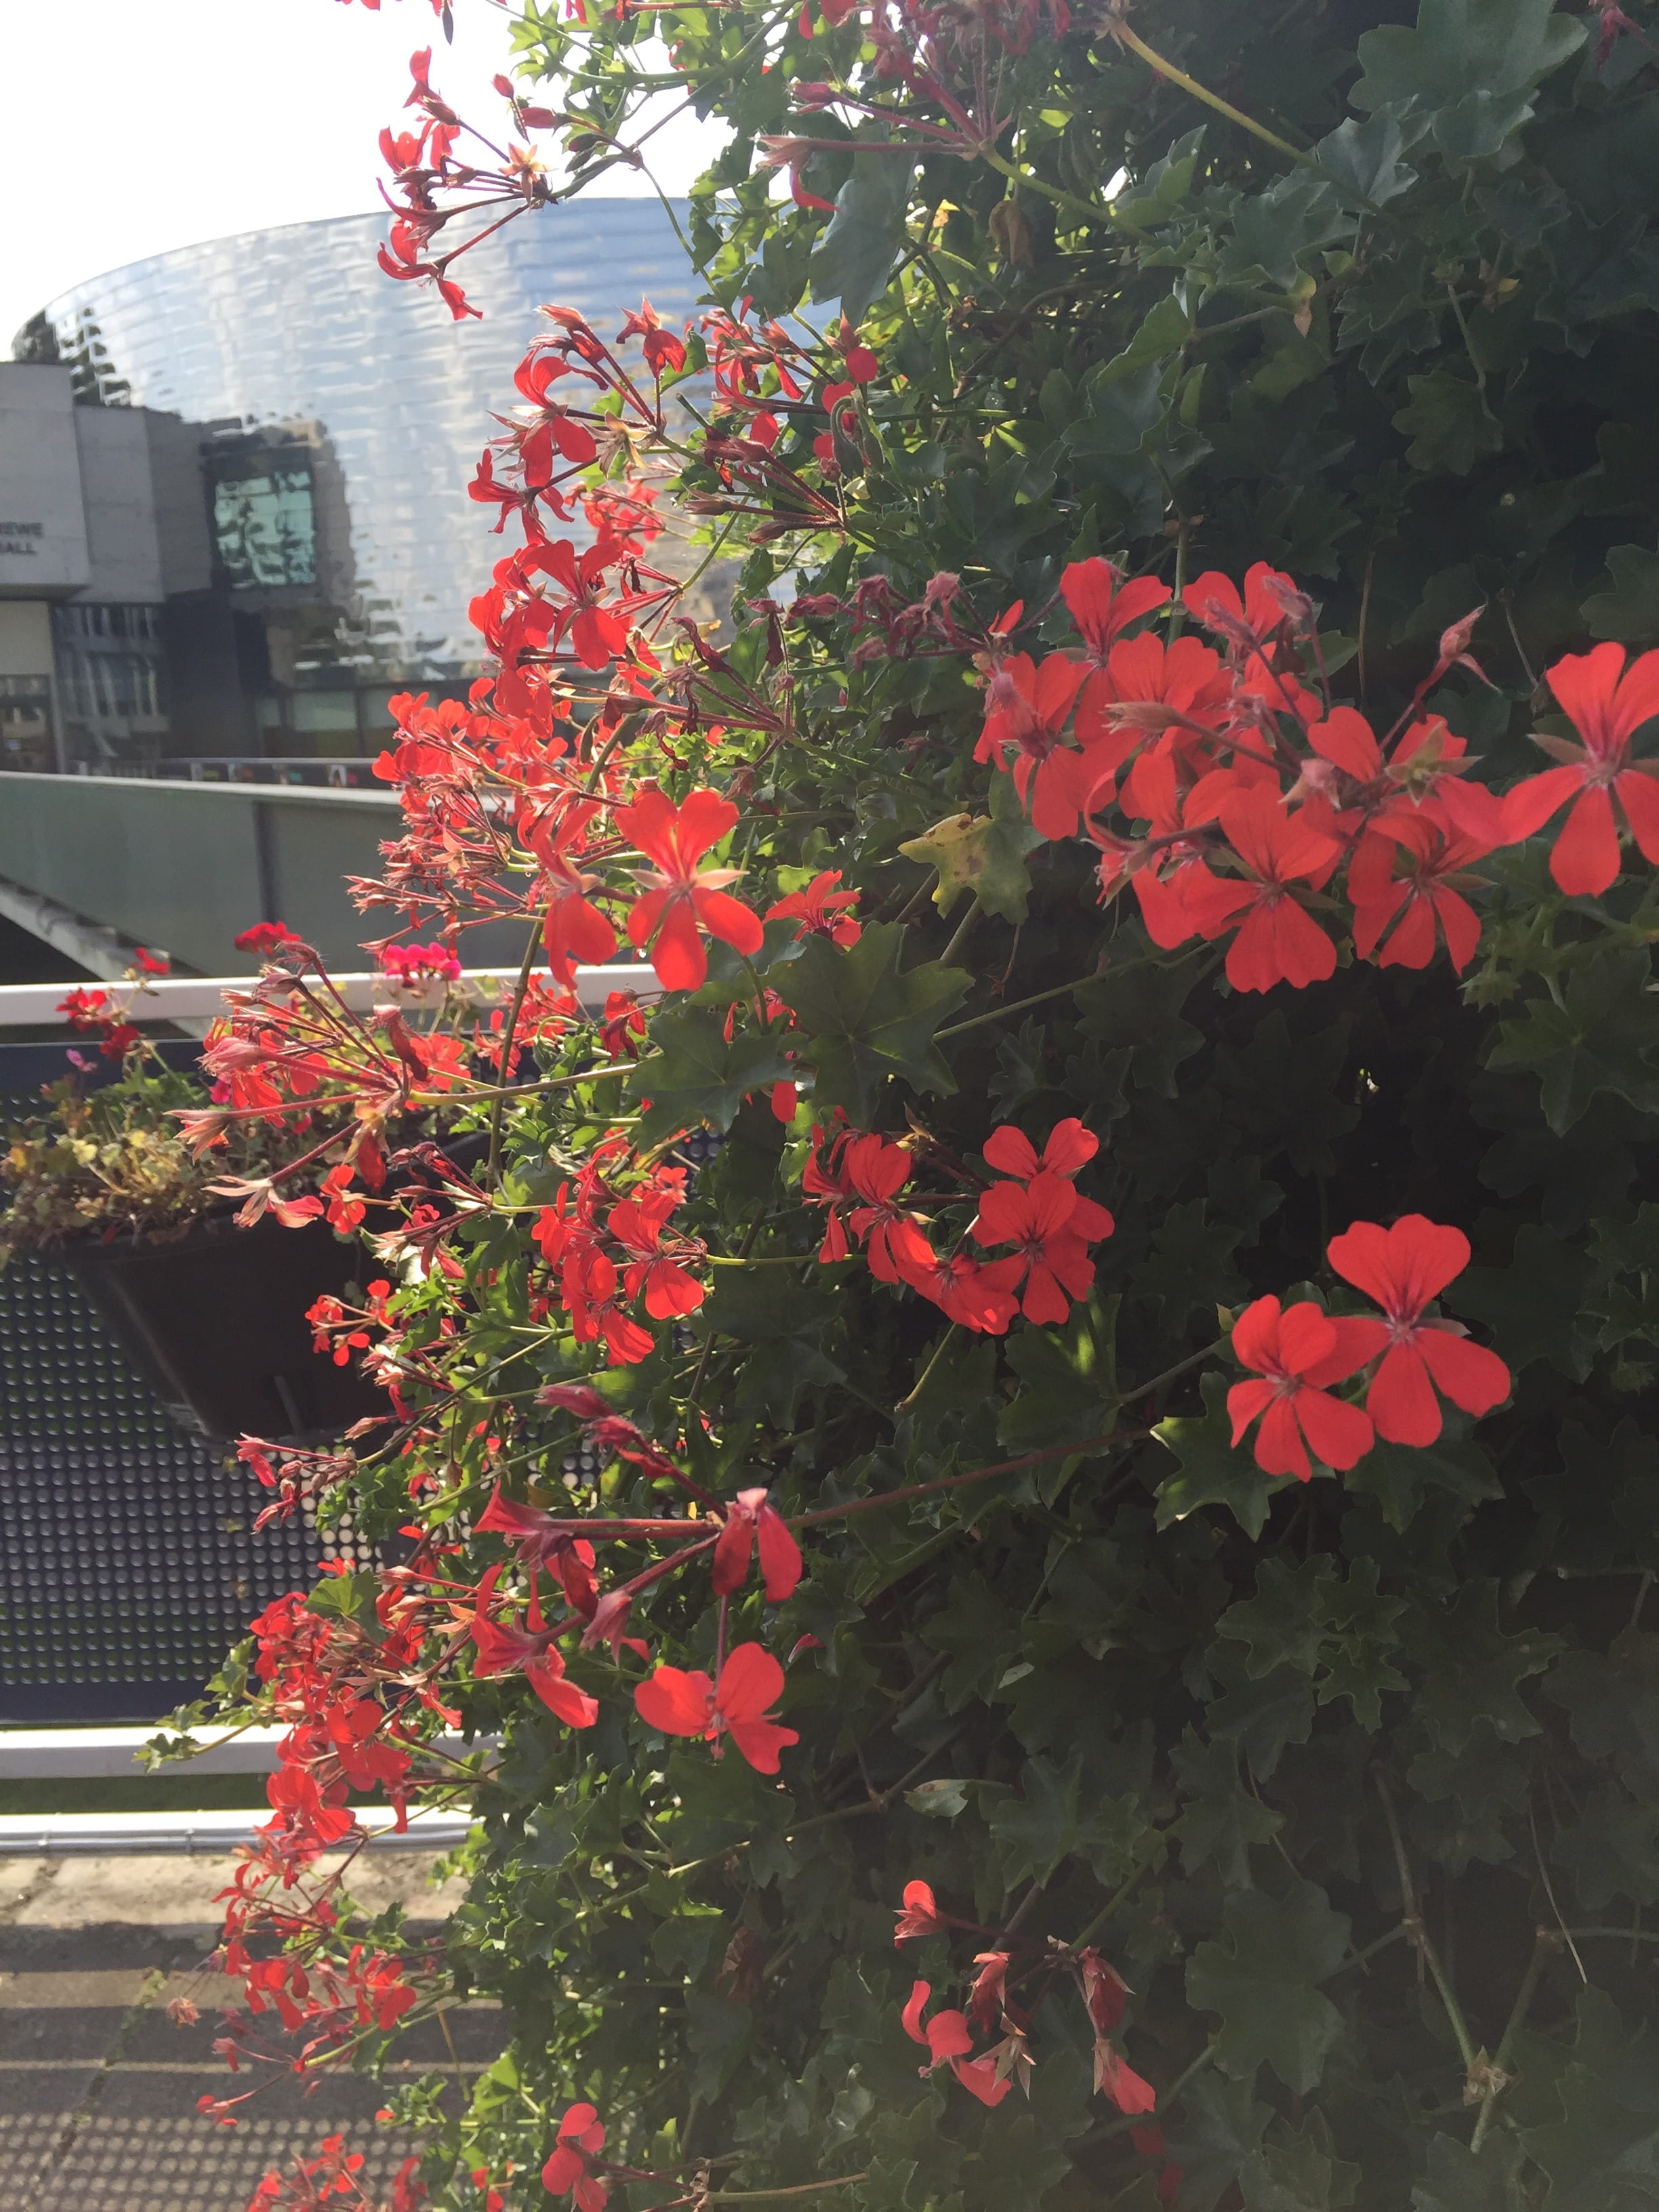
x=199, y=998
x=210, y=1835
x=89, y=1755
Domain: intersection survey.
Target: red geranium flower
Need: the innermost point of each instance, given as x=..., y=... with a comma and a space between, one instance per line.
x=1214, y=600
x=1608, y=703
x=656, y=1258
x=598, y=633
x=1407, y=907
x=573, y=928
x=919, y=1916
x=1296, y=1352
x=821, y=910
x=681, y=1702
x=681, y=900
x=661, y=348
x=878, y=1171
x=1069, y=1147
x=747, y=1516
x=1403, y=1268
x=1279, y=942
x=982, y=1299
x=580, y=2137
x=949, y=2044
x=531, y=1650
x=1027, y=709
x=1102, y=604
x=1041, y=1218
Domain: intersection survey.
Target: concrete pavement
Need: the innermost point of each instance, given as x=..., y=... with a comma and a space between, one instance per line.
x=98, y=2088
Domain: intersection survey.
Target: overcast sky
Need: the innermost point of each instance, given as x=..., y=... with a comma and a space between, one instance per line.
x=133, y=126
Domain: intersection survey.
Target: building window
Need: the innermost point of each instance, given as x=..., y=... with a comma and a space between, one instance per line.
x=26, y=732
x=109, y=669
x=264, y=524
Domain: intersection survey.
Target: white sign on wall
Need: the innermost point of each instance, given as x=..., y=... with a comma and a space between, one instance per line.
x=43, y=531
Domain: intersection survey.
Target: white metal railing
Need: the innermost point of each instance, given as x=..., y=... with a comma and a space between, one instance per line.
x=210, y=1835
x=199, y=998
x=91, y=1754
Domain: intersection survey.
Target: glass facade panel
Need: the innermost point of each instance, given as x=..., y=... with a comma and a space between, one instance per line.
x=264, y=528
x=110, y=671
x=25, y=724
x=295, y=335
x=313, y=711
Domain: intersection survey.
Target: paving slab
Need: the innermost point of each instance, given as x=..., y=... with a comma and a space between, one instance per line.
x=99, y=2087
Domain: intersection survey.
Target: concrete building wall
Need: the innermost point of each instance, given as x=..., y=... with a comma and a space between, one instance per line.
x=25, y=638
x=43, y=537
x=181, y=515
x=126, y=557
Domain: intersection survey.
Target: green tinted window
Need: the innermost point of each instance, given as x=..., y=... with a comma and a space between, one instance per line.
x=264, y=527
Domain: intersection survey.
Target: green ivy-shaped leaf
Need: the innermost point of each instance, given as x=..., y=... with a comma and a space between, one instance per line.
x=983, y=854
x=1599, y=1036
x=1449, y=424
x=1630, y=611
x=852, y=260
x=698, y=1075
x=866, y=1020
x=1338, y=1631
x=1471, y=1671
x=1221, y=1821
x=1296, y=2170
x=1211, y=1472
x=1602, y=2154
x=1459, y=2179
x=349, y=1597
x=1263, y=1978
x=1471, y=65
x=1221, y=2127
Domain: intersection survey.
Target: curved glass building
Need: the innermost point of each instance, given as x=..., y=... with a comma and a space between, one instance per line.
x=312, y=429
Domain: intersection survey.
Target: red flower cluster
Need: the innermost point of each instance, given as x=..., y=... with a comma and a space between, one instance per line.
x=410, y=965
x=93, y=1013
x=949, y=2034
x=606, y=1249
x=1037, y=1210
x=1298, y=1352
x=332, y=2172
x=266, y=937
x=1233, y=797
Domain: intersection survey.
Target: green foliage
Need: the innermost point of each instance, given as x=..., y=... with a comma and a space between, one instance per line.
x=110, y=1160
x=1313, y=1764
x=869, y=1019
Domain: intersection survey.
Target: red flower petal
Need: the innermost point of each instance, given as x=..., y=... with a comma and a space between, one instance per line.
x=1306, y=1338
x=677, y=1702
x=780, y=1557
x=1278, y=1446
x=762, y=1741
x=1011, y=1152
x=1469, y=1375
x=1585, y=860
x=1339, y=1432
x=751, y=1681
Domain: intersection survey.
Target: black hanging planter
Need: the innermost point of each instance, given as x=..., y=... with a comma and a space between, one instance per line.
x=217, y=1317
